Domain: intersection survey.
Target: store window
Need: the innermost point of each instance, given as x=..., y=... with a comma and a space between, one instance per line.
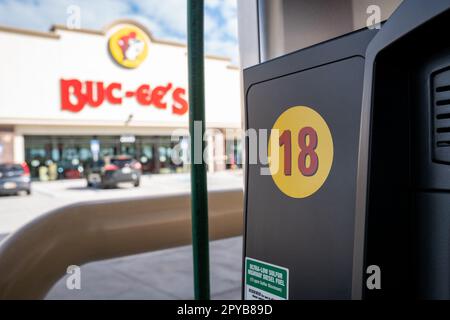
x=66, y=157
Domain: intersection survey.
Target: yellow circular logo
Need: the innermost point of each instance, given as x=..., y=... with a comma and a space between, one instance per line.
x=128, y=46
x=302, y=152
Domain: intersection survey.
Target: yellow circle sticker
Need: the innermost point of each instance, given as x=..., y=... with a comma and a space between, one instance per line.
x=302, y=153
x=128, y=46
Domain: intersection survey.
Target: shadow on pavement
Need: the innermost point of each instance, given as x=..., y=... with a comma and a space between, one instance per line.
x=163, y=274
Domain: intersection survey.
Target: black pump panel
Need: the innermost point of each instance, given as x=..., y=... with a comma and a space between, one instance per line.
x=385, y=97
x=310, y=238
x=403, y=202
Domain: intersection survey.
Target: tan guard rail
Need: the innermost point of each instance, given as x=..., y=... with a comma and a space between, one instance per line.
x=36, y=256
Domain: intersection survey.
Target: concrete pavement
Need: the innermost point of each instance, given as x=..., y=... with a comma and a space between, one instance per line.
x=165, y=274
x=15, y=211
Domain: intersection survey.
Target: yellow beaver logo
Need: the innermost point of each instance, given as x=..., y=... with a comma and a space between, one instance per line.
x=128, y=46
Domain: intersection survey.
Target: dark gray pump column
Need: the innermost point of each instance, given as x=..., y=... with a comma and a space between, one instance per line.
x=385, y=98
x=403, y=200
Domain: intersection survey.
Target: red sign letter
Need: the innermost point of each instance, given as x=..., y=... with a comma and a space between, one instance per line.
x=97, y=99
x=143, y=95
x=158, y=96
x=109, y=93
x=68, y=88
x=180, y=105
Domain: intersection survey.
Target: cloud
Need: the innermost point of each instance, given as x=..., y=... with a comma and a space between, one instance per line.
x=165, y=18
x=221, y=28
x=170, y=14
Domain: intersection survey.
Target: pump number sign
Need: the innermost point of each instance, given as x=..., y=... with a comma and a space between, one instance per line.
x=304, y=153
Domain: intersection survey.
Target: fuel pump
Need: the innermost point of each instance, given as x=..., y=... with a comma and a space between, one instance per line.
x=359, y=127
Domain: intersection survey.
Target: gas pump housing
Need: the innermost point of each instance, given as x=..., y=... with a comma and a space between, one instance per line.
x=385, y=98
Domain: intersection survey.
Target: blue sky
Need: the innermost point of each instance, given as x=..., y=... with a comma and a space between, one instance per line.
x=165, y=18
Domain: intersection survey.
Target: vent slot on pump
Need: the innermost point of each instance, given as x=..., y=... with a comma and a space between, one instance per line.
x=441, y=116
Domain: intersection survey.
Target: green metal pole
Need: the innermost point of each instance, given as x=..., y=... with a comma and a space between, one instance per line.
x=199, y=192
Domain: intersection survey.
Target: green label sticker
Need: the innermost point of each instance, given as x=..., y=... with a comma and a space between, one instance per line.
x=265, y=281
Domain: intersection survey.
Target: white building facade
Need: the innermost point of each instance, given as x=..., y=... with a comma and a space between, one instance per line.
x=71, y=95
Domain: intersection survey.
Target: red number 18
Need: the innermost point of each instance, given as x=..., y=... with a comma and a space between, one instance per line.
x=307, y=150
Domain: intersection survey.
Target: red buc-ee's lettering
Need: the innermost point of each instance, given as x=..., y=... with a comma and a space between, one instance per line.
x=75, y=95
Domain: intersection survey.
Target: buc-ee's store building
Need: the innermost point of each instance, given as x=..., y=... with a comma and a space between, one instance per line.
x=71, y=95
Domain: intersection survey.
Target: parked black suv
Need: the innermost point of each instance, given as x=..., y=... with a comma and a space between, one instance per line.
x=117, y=170
x=14, y=178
